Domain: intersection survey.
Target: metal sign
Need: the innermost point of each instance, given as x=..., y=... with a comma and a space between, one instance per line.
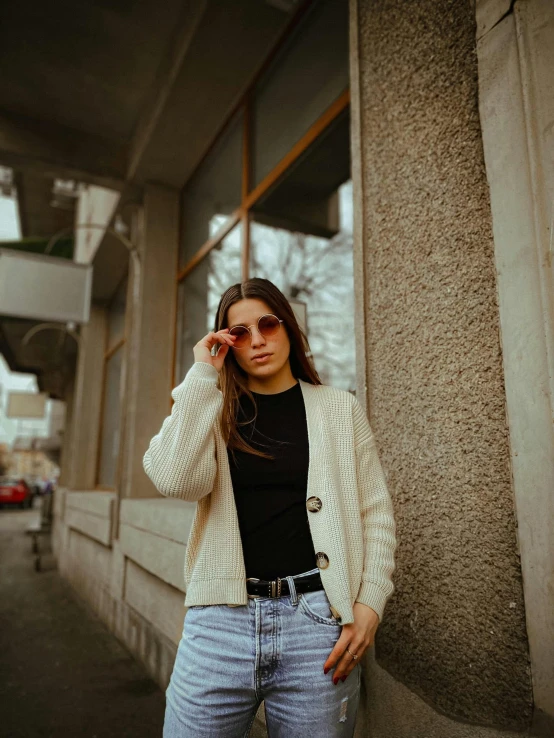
x=26, y=405
x=44, y=287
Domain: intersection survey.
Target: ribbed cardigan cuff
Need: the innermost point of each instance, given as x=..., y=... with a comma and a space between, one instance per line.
x=216, y=591
x=373, y=596
x=199, y=370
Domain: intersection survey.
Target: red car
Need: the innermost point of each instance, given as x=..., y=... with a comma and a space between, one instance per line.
x=15, y=492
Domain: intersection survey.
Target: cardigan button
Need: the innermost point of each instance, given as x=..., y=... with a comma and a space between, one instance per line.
x=322, y=560
x=314, y=504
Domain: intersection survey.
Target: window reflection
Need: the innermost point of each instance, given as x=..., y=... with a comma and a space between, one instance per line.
x=200, y=291
x=109, y=450
x=214, y=191
x=319, y=272
x=307, y=76
x=116, y=315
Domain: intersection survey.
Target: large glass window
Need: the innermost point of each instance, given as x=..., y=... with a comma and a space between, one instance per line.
x=111, y=401
x=317, y=272
x=214, y=192
x=307, y=76
x=109, y=449
x=294, y=225
x=199, y=294
x=116, y=315
x=301, y=239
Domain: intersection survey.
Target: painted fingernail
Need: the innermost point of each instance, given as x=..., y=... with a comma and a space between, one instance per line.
x=336, y=680
x=326, y=670
x=344, y=677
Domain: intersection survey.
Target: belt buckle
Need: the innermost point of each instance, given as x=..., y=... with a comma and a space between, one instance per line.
x=252, y=579
x=275, y=588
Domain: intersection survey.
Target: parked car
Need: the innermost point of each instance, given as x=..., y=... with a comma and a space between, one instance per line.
x=35, y=483
x=15, y=491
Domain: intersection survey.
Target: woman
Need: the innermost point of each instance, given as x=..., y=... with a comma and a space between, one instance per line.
x=289, y=561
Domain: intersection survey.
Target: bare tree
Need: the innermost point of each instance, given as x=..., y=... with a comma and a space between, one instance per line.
x=318, y=272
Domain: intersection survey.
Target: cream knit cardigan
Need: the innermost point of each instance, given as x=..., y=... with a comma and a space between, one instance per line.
x=355, y=526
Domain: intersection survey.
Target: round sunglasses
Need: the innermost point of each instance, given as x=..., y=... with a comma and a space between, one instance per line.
x=268, y=325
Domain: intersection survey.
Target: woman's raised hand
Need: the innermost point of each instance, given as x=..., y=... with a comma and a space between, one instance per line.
x=203, y=349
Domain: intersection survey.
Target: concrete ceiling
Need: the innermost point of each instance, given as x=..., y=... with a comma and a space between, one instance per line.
x=230, y=42
x=88, y=66
x=116, y=93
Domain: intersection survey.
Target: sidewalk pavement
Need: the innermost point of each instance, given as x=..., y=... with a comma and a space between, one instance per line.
x=62, y=673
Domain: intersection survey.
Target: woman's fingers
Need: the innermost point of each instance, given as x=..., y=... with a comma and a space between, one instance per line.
x=338, y=648
x=203, y=349
x=221, y=337
x=219, y=358
x=225, y=342
x=340, y=659
x=347, y=662
x=211, y=339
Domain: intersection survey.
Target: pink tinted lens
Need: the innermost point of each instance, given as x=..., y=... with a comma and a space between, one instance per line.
x=241, y=334
x=268, y=325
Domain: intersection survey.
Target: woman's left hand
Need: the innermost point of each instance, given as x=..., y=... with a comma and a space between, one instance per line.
x=356, y=636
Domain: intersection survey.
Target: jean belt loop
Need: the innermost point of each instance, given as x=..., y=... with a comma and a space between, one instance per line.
x=292, y=591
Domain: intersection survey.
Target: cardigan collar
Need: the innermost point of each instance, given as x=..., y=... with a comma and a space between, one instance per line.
x=314, y=421
x=308, y=389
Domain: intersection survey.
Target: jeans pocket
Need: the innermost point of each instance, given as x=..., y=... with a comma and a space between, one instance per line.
x=315, y=605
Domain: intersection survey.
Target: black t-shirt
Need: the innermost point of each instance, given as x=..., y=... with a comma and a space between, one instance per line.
x=270, y=494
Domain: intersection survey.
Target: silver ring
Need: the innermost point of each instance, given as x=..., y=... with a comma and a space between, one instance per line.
x=352, y=654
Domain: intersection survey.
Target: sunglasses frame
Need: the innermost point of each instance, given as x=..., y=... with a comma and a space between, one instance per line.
x=248, y=327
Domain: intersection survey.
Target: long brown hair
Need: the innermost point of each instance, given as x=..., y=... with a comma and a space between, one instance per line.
x=233, y=380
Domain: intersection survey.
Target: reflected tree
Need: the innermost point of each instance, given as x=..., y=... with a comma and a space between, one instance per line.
x=315, y=271
x=319, y=273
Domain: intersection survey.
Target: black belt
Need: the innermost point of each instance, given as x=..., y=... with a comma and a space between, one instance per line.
x=280, y=587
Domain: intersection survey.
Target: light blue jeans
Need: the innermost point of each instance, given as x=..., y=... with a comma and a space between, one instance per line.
x=231, y=658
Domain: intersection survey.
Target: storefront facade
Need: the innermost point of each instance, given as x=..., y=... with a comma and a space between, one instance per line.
x=358, y=170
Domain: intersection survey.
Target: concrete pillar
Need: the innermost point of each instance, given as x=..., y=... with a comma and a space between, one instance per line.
x=516, y=59
x=65, y=453
x=82, y=453
x=454, y=633
x=150, y=346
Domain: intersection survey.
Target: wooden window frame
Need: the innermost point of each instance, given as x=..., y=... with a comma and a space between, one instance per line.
x=109, y=351
x=249, y=196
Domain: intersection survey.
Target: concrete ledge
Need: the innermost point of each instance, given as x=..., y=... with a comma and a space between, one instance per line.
x=140, y=624
x=87, y=561
x=90, y=525
x=164, y=517
x=153, y=533
x=59, y=502
x=146, y=643
x=157, y=602
x=160, y=556
x=91, y=513
x=97, y=503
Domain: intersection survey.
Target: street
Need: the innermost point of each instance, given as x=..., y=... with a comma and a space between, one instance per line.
x=62, y=673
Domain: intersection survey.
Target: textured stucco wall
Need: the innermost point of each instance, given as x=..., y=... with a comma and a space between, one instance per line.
x=454, y=631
